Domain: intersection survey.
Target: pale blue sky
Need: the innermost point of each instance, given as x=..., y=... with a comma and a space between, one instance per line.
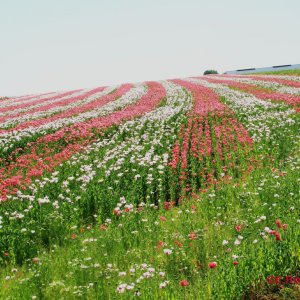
x=65, y=44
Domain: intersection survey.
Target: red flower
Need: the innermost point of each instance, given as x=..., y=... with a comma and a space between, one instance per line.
x=168, y=205
x=184, y=283
x=284, y=226
x=160, y=244
x=178, y=244
x=278, y=223
x=278, y=237
x=162, y=218
x=238, y=228
x=276, y=234
x=235, y=263
x=212, y=265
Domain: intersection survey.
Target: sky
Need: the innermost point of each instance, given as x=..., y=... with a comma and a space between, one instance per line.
x=53, y=45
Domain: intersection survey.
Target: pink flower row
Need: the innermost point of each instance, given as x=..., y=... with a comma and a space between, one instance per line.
x=205, y=99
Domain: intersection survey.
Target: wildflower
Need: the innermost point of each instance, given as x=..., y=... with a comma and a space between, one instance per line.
x=237, y=242
x=276, y=234
x=102, y=227
x=167, y=251
x=160, y=244
x=163, y=284
x=168, y=205
x=278, y=223
x=235, y=263
x=193, y=236
x=35, y=260
x=184, y=283
x=225, y=242
x=137, y=293
x=130, y=287
x=180, y=245
x=161, y=274
x=162, y=218
x=212, y=265
x=121, y=288
x=238, y=228
x=147, y=274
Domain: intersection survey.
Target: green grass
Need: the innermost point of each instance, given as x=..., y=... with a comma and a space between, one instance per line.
x=295, y=72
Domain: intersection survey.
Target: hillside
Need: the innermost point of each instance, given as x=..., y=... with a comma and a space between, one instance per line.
x=177, y=189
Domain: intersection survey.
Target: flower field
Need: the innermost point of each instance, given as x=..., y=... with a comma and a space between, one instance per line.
x=178, y=189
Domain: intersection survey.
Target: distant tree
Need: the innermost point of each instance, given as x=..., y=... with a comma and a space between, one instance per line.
x=207, y=72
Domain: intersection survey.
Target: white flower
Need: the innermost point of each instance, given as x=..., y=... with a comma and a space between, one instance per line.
x=163, y=284
x=167, y=251
x=225, y=242
x=147, y=275
x=237, y=242
x=130, y=287
x=121, y=288
x=161, y=274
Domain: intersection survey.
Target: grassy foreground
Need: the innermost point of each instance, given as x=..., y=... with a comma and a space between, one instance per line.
x=169, y=254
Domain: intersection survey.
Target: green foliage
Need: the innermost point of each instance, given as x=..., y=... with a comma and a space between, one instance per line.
x=207, y=72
